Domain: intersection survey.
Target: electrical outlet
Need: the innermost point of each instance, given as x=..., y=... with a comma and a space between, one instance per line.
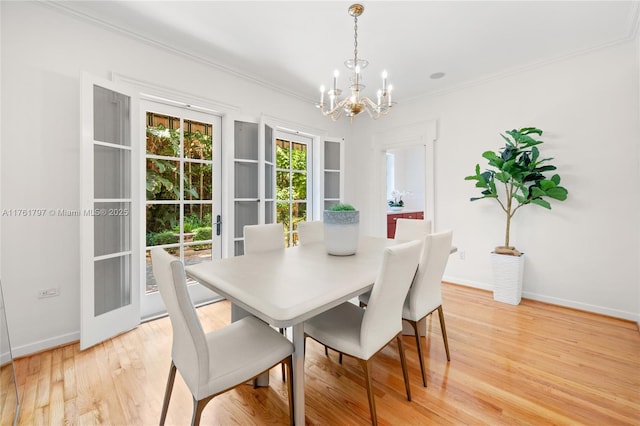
x=48, y=292
x=461, y=254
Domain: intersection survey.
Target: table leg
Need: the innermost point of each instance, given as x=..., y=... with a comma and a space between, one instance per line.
x=298, y=373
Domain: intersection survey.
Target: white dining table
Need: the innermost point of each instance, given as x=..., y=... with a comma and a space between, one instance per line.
x=288, y=286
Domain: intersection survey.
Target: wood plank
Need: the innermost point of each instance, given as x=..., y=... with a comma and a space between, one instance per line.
x=528, y=364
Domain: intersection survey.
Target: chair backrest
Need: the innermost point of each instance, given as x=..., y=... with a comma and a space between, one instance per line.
x=267, y=237
x=383, y=316
x=189, y=350
x=425, y=294
x=310, y=232
x=412, y=229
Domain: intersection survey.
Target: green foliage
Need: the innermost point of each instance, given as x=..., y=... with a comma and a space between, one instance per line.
x=191, y=223
x=163, y=174
x=341, y=207
x=291, y=184
x=160, y=238
x=202, y=234
x=520, y=173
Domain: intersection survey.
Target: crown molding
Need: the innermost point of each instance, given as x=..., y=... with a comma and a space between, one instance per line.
x=633, y=27
x=514, y=71
x=70, y=11
x=632, y=31
x=634, y=21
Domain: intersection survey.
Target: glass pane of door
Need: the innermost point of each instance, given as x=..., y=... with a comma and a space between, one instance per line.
x=293, y=171
x=111, y=219
x=179, y=187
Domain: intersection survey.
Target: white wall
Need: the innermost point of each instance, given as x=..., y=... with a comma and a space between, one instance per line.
x=44, y=52
x=584, y=252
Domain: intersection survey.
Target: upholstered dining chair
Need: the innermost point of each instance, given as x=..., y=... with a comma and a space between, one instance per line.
x=214, y=362
x=258, y=239
x=361, y=333
x=406, y=230
x=425, y=294
x=412, y=229
x=310, y=232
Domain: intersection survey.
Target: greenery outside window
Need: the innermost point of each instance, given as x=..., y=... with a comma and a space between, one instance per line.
x=293, y=171
x=179, y=188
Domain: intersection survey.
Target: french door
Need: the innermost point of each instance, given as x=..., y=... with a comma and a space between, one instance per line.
x=108, y=212
x=293, y=182
x=183, y=193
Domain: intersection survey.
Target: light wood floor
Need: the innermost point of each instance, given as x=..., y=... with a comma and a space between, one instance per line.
x=528, y=364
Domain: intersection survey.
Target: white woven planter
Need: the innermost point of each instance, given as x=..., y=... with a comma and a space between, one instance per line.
x=508, y=272
x=341, y=232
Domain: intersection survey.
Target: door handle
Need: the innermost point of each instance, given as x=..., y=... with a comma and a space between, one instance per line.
x=218, y=225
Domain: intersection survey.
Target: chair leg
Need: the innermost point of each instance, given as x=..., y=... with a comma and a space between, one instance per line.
x=289, y=362
x=326, y=352
x=444, y=331
x=198, y=406
x=416, y=328
x=405, y=370
x=370, y=394
x=167, y=393
x=282, y=331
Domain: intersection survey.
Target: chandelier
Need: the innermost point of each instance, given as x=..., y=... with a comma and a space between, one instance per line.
x=355, y=104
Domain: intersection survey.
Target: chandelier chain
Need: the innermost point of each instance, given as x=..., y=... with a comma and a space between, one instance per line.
x=355, y=41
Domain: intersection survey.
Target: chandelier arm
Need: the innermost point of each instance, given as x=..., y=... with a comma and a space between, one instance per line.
x=336, y=111
x=370, y=103
x=371, y=108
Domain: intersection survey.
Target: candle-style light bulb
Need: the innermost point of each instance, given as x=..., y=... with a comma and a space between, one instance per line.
x=384, y=81
x=336, y=73
x=389, y=94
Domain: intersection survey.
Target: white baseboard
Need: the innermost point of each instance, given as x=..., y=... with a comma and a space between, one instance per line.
x=42, y=345
x=616, y=313
x=467, y=283
x=5, y=358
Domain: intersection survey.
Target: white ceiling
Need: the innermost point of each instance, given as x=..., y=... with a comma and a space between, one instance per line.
x=295, y=46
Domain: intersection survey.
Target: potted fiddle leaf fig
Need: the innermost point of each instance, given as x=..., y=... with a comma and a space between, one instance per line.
x=341, y=226
x=516, y=177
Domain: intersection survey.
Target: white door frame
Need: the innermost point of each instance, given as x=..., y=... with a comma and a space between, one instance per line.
x=424, y=134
